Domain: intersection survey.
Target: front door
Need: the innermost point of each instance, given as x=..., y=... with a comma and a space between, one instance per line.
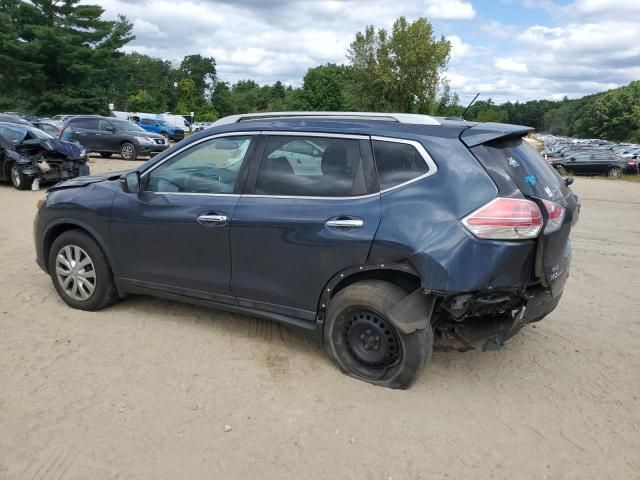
x=304, y=222
x=174, y=236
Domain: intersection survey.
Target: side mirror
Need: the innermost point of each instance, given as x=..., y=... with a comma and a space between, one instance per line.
x=568, y=181
x=130, y=182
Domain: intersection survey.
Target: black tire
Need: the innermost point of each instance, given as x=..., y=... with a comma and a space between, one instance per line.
x=104, y=293
x=18, y=179
x=106, y=154
x=615, y=172
x=346, y=324
x=166, y=135
x=561, y=170
x=128, y=151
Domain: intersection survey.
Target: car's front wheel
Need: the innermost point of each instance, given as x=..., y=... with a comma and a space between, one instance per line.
x=364, y=343
x=128, y=151
x=80, y=272
x=615, y=172
x=18, y=179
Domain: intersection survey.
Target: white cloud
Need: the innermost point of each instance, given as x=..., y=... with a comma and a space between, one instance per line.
x=450, y=9
x=459, y=48
x=510, y=65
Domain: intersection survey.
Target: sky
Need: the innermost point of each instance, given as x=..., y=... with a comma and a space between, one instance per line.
x=507, y=50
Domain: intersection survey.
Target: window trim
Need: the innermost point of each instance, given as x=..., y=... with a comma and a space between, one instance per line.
x=256, y=159
x=259, y=158
x=144, y=175
x=433, y=168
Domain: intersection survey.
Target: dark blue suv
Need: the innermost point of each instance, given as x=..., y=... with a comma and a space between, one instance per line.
x=380, y=235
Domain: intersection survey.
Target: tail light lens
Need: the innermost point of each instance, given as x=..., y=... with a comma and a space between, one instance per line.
x=632, y=163
x=505, y=219
x=556, y=216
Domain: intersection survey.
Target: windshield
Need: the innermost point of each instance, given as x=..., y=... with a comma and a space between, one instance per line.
x=124, y=126
x=16, y=134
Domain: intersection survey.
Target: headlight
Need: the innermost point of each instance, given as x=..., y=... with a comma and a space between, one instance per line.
x=144, y=140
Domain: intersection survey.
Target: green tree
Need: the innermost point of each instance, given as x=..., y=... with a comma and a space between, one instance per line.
x=202, y=71
x=401, y=71
x=66, y=53
x=322, y=88
x=222, y=99
x=186, y=97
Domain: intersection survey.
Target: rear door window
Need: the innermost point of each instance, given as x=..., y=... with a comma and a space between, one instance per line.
x=311, y=166
x=526, y=167
x=86, y=123
x=397, y=163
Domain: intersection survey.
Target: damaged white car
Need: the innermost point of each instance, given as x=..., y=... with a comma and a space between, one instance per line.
x=29, y=157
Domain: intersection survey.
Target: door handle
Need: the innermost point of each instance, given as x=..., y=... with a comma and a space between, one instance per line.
x=212, y=220
x=345, y=223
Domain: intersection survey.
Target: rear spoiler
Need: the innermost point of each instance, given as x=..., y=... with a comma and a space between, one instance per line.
x=487, y=132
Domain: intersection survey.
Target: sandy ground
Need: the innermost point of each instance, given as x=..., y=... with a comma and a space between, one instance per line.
x=144, y=389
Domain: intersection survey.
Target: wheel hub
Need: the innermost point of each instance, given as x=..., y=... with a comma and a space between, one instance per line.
x=75, y=272
x=370, y=340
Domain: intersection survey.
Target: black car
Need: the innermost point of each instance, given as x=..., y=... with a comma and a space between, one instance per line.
x=595, y=162
x=108, y=135
x=29, y=155
x=381, y=235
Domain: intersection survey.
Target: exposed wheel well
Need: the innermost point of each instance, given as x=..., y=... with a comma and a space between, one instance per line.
x=405, y=280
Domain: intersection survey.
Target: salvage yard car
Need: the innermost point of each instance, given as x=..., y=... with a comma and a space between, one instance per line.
x=107, y=135
x=595, y=162
x=29, y=155
x=408, y=233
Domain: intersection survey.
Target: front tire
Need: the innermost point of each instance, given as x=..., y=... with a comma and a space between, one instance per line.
x=128, y=151
x=80, y=272
x=615, y=172
x=18, y=179
x=364, y=344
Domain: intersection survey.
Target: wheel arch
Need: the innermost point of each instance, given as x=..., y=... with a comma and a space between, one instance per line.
x=57, y=228
x=400, y=274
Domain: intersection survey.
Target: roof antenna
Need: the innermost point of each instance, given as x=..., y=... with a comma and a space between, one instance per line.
x=469, y=106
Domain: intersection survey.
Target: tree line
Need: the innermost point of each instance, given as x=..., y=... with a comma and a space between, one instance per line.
x=62, y=56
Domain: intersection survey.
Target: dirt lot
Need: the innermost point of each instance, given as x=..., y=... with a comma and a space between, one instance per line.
x=145, y=388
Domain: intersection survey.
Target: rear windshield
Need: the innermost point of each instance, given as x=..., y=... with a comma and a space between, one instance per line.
x=533, y=175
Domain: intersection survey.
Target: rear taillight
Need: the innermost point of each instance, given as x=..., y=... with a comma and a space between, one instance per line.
x=555, y=213
x=505, y=219
x=632, y=163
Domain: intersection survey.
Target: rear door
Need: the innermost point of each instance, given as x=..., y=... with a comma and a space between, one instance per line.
x=537, y=180
x=83, y=130
x=300, y=223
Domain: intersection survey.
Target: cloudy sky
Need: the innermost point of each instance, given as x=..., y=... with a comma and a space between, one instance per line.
x=505, y=49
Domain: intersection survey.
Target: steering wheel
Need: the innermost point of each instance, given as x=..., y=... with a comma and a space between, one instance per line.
x=200, y=183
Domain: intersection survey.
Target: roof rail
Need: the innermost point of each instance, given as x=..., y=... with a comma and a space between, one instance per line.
x=389, y=117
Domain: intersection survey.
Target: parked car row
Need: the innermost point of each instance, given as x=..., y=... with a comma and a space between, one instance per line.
x=591, y=157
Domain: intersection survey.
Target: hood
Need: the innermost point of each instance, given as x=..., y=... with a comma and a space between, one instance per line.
x=82, y=181
x=70, y=150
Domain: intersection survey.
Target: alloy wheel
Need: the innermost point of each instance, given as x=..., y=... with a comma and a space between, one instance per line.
x=615, y=173
x=75, y=273
x=126, y=151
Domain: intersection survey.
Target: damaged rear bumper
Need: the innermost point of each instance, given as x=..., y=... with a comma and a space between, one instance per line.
x=486, y=321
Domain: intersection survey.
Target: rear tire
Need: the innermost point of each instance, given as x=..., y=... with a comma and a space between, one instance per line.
x=364, y=344
x=128, y=151
x=80, y=272
x=18, y=179
x=106, y=154
x=615, y=172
